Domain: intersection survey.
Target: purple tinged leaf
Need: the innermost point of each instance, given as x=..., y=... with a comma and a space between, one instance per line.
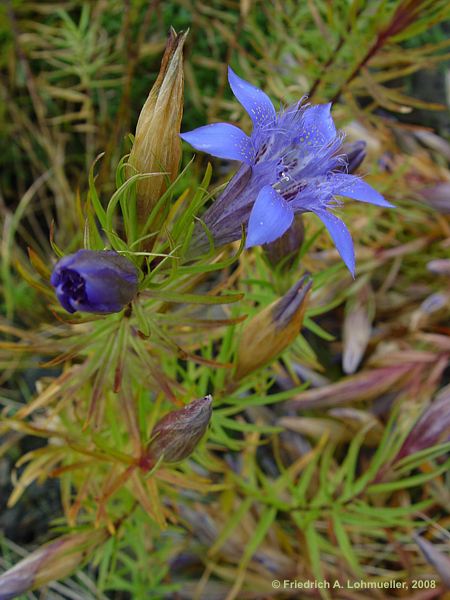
x=222, y=140
x=353, y=187
x=439, y=560
x=271, y=216
x=340, y=236
x=255, y=101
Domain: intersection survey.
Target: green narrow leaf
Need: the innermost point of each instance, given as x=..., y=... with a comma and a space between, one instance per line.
x=317, y=330
x=408, y=463
x=306, y=476
x=348, y=468
x=385, y=449
x=415, y=480
x=246, y=427
x=230, y=525
x=345, y=545
x=93, y=196
x=264, y=524
x=313, y=544
x=169, y=296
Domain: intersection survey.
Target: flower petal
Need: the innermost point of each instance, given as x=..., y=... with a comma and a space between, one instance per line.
x=318, y=127
x=255, y=101
x=222, y=140
x=271, y=216
x=340, y=236
x=353, y=187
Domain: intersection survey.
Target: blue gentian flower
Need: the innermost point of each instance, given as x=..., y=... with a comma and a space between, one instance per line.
x=94, y=281
x=291, y=164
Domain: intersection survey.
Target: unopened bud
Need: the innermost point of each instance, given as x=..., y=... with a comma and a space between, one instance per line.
x=55, y=560
x=432, y=426
x=440, y=266
x=283, y=251
x=157, y=145
x=177, y=434
x=272, y=330
x=95, y=281
x=437, y=196
x=354, y=154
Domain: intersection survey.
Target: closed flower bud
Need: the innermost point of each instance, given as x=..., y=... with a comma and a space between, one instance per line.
x=437, y=196
x=55, y=560
x=283, y=251
x=157, y=146
x=432, y=426
x=177, y=434
x=354, y=153
x=272, y=330
x=95, y=281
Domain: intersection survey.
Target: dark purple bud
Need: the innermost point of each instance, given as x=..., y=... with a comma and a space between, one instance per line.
x=431, y=427
x=177, y=434
x=354, y=154
x=95, y=281
x=283, y=251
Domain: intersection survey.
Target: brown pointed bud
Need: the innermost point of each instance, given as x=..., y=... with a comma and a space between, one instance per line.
x=354, y=154
x=55, y=560
x=272, y=330
x=283, y=251
x=157, y=145
x=177, y=434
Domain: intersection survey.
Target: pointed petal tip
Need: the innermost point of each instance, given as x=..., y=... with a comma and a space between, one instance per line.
x=353, y=187
x=340, y=236
x=222, y=140
x=256, y=102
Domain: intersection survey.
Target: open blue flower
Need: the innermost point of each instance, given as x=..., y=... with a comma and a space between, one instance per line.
x=291, y=164
x=94, y=281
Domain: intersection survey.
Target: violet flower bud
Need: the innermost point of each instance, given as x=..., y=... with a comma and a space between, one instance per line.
x=95, y=281
x=177, y=434
x=354, y=154
x=432, y=426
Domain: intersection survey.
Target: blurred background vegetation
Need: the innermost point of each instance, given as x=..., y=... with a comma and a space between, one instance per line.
x=74, y=76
